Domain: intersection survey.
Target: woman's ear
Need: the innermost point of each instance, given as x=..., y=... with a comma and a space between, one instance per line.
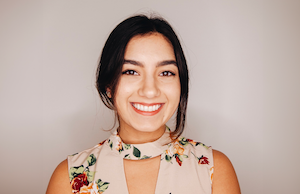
x=108, y=92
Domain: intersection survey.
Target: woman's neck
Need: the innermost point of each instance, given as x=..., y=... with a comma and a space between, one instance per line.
x=132, y=136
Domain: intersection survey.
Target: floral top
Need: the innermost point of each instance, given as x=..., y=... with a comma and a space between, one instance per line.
x=186, y=166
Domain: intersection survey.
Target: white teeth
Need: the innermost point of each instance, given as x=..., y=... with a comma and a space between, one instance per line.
x=147, y=108
x=150, y=108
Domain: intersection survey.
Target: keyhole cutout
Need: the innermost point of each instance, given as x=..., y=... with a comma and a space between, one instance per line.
x=141, y=175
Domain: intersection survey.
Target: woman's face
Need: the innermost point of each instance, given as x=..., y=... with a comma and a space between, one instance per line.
x=148, y=91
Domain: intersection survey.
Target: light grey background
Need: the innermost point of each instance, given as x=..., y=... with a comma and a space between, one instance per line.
x=244, y=64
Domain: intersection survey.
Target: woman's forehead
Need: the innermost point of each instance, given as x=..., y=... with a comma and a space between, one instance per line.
x=152, y=46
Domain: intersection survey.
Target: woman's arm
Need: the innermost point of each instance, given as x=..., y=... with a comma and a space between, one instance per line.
x=224, y=178
x=59, y=182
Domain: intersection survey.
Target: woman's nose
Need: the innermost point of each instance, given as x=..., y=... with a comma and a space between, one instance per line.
x=149, y=88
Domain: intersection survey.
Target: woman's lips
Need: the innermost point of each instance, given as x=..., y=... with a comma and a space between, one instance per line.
x=147, y=109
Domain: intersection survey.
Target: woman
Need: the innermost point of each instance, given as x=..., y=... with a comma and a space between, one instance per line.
x=143, y=77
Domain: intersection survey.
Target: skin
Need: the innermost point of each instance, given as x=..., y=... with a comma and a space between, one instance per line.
x=150, y=77
x=60, y=182
x=224, y=179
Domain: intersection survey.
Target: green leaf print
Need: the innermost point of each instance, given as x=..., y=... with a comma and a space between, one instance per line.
x=111, y=145
x=183, y=141
x=90, y=175
x=98, y=182
x=102, y=185
x=145, y=157
x=136, y=152
x=205, y=146
x=75, y=171
x=199, y=143
x=91, y=160
x=127, y=146
x=168, y=158
x=180, y=157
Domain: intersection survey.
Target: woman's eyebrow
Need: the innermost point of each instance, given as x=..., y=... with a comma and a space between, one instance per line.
x=162, y=63
x=132, y=62
x=167, y=62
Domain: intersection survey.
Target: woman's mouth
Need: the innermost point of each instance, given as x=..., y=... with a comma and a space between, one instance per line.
x=147, y=109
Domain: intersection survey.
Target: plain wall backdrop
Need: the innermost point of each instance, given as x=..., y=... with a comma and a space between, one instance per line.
x=244, y=63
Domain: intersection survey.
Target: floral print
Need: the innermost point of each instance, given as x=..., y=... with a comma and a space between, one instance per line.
x=82, y=179
x=128, y=150
x=79, y=181
x=194, y=143
x=176, y=150
x=202, y=159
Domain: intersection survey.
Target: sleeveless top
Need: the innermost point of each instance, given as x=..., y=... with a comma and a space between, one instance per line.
x=186, y=166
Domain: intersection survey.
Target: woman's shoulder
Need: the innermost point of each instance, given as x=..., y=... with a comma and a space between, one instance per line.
x=222, y=173
x=59, y=182
x=60, y=179
x=224, y=179
x=86, y=157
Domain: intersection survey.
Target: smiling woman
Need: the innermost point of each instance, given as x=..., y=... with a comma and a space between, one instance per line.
x=143, y=77
x=113, y=58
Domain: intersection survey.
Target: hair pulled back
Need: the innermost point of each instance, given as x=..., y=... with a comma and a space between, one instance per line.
x=112, y=59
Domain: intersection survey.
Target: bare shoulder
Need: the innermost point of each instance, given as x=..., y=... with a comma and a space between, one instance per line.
x=225, y=180
x=59, y=182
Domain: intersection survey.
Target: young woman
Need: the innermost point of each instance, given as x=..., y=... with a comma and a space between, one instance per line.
x=143, y=77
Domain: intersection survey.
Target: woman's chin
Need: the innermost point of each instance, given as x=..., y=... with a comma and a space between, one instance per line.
x=150, y=128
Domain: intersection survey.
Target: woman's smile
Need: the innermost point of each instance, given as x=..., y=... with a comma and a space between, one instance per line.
x=147, y=109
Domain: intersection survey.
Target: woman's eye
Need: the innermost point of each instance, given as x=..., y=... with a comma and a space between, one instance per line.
x=167, y=73
x=129, y=72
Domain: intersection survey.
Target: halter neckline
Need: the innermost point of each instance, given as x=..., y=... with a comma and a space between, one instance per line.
x=139, y=151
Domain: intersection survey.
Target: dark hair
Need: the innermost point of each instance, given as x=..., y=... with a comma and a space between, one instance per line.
x=112, y=59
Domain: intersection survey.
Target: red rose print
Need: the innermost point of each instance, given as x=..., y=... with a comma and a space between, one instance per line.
x=178, y=160
x=78, y=182
x=203, y=160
